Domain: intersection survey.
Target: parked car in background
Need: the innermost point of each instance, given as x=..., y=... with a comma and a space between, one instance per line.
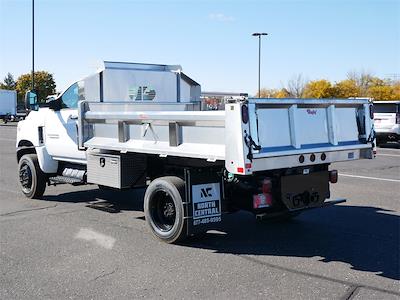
x=387, y=121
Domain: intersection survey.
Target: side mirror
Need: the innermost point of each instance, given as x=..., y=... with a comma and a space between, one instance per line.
x=31, y=102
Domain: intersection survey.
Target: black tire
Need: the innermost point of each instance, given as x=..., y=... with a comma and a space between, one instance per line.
x=31, y=178
x=163, y=208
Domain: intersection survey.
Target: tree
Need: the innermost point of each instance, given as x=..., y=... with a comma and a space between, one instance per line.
x=345, y=89
x=381, y=92
x=44, y=85
x=267, y=93
x=363, y=81
x=396, y=90
x=283, y=93
x=295, y=86
x=382, y=89
x=8, y=82
x=318, y=89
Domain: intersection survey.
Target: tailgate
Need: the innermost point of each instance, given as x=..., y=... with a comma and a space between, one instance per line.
x=293, y=126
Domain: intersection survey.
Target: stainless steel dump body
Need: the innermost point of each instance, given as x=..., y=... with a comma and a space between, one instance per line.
x=276, y=133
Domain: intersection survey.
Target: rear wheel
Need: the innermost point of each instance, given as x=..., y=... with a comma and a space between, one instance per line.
x=31, y=178
x=163, y=208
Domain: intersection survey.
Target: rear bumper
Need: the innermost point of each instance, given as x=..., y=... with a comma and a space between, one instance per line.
x=393, y=130
x=290, y=161
x=387, y=136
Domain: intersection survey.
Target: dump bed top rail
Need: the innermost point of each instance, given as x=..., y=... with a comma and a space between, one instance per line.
x=306, y=101
x=170, y=129
x=216, y=117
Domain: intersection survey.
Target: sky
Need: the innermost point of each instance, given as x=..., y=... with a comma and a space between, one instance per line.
x=211, y=40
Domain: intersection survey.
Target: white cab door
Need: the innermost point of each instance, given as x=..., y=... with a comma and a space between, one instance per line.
x=61, y=128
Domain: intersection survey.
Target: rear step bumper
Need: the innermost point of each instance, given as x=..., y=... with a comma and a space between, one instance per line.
x=265, y=216
x=333, y=202
x=325, y=204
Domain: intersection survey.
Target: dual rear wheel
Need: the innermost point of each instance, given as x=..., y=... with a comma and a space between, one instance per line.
x=164, y=208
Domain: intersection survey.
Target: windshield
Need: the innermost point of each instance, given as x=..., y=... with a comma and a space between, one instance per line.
x=72, y=95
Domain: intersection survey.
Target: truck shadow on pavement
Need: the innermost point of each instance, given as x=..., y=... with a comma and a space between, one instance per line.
x=366, y=238
x=115, y=200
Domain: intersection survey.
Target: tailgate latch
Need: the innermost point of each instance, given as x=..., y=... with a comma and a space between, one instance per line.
x=251, y=145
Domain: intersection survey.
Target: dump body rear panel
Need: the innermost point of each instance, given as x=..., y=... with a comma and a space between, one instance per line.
x=302, y=125
x=279, y=131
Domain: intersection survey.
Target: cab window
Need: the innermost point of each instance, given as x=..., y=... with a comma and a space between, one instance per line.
x=70, y=97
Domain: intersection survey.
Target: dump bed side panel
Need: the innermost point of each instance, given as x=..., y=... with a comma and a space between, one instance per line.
x=168, y=129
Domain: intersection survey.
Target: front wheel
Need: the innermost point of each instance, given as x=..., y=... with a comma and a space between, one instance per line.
x=31, y=178
x=163, y=208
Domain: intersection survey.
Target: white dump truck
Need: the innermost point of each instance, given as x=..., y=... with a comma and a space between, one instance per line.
x=139, y=125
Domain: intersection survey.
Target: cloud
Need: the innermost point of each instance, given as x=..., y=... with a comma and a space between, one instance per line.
x=220, y=17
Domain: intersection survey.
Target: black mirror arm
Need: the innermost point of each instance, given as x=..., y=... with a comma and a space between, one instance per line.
x=55, y=104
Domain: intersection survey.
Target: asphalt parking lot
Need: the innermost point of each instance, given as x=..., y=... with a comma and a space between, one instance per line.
x=59, y=248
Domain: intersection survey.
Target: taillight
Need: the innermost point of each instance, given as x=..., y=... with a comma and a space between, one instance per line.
x=333, y=176
x=245, y=114
x=265, y=198
x=397, y=118
x=267, y=186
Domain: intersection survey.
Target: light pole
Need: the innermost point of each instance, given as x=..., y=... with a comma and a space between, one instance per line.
x=33, y=46
x=259, y=34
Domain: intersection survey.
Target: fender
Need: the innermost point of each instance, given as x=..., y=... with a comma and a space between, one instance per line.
x=29, y=141
x=46, y=162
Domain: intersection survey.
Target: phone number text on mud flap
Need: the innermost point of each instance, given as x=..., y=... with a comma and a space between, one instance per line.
x=206, y=220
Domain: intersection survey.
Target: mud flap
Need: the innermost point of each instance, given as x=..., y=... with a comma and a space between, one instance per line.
x=305, y=191
x=204, y=194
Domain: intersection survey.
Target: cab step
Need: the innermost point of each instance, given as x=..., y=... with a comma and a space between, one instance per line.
x=70, y=176
x=65, y=179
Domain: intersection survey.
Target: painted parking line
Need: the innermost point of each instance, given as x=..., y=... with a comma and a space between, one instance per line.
x=367, y=177
x=8, y=140
x=392, y=155
x=388, y=150
x=98, y=238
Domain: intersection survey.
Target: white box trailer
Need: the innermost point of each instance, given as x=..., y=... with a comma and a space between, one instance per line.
x=8, y=104
x=267, y=156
